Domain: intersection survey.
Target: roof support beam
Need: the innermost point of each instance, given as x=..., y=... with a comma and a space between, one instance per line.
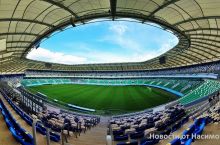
x=113, y=6
x=163, y=66
x=181, y=58
x=206, y=48
x=210, y=40
x=18, y=42
x=198, y=53
x=45, y=34
x=18, y=33
x=201, y=29
x=16, y=47
x=163, y=6
x=189, y=57
x=167, y=65
x=198, y=47
x=25, y=20
x=198, y=18
x=204, y=34
x=208, y=44
x=175, y=60
x=4, y=59
x=63, y=7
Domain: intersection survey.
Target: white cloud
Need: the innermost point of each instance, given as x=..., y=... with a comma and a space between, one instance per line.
x=119, y=29
x=56, y=57
x=95, y=56
x=46, y=55
x=130, y=41
x=168, y=44
x=118, y=34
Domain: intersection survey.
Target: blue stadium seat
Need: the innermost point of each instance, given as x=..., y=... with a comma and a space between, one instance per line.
x=176, y=141
x=120, y=137
x=188, y=142
x=27, y=119
x=189, y=131
x=199, y=130
x=20, y=138
x=167, y=131
x=41, y=129
x=185, y=119
x=199, y=121
x=142, y=128
x=54, y=137
x=17, y=132
x=46, y=124
x=118, y=132
x=200, y=125
x=8, y=123
x=56, y=129
x=27, y=136
x=137, y=135
x=176, y=126
x=149, y=141
x=4, y=114
x=128, y=143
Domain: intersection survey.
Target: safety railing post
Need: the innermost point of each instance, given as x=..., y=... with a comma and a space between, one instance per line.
x=34, y=131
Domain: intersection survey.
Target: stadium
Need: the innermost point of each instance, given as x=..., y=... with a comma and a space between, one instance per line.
x=174, y=95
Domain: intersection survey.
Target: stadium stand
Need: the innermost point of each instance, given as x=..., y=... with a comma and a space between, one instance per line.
x=195, y=130
x=57, y=122
x=53, y=119
x=16, y=130
x=137, y=120
x=190, y=134
x=125, y=130
x=207, y=88
x=180, y=85
x=121, y=74
x=143, y=124
x=35, y=82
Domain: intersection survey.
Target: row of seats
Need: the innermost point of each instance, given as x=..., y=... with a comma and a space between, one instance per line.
x=213, y=113
x=33, y=68
x=39, y=127
x=36, y=69
x=183, y=85
x=206, y=89
x=140, y=126
x=21, y=135
x=55, y=121
x=189, y=135
x=153, y=141
x=33, y=82
x=142, y=142
x=72, y=122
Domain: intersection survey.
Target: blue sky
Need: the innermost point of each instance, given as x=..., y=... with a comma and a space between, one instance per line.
x=105, y=42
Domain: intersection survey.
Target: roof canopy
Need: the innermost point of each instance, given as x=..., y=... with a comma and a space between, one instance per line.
x=24, y=23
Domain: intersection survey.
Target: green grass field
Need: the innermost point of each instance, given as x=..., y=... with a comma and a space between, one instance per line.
x=124, y=98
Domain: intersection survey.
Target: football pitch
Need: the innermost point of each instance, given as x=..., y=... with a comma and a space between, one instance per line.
x=121, y=98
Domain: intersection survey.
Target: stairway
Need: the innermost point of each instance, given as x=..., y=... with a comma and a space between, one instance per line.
x=95, y=136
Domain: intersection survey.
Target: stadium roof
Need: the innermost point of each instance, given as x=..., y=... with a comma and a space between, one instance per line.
x=24, y=23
